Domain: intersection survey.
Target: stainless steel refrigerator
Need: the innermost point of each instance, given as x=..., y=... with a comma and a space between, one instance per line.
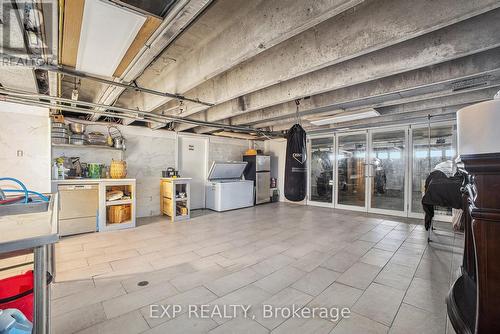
x=259, y=170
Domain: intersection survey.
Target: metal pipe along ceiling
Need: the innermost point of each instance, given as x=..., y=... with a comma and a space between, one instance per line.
x=130, y=86
x=118, y=112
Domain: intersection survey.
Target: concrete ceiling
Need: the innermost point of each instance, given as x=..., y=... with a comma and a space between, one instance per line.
x=253, y=59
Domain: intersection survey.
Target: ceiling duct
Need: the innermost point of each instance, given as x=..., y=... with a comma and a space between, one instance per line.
x=471, y=83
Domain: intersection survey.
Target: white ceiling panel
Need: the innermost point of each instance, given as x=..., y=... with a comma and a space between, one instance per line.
x=106, y=34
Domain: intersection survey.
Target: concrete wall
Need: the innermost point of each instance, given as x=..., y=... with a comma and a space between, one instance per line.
x=148, y=153
x=25, y=145
x=226, y=149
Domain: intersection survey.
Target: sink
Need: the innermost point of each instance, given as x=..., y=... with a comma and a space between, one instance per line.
x=21, y=208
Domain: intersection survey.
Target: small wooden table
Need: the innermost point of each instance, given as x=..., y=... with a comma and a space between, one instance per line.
x=175, y=198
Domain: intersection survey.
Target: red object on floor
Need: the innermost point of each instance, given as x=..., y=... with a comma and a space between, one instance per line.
x=17, y=292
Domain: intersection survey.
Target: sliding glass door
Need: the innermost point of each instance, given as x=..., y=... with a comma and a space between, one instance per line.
x=321, y=162
x=387, y=170
x=379, y=170
x=436, y=151
x=351, y=171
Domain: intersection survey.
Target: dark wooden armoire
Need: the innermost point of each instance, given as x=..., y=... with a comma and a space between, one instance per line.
x=474, y=299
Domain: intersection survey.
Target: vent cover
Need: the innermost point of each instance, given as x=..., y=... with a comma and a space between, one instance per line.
x=470, y=83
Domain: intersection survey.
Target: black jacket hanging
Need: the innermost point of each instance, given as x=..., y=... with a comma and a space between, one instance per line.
x=295, y=166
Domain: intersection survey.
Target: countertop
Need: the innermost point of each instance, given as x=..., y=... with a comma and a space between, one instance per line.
x=29, y=230
x=90, y=181
x=177, y=178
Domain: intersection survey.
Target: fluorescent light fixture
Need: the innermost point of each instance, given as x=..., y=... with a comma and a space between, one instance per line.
x=106, y=34
x=345, y=117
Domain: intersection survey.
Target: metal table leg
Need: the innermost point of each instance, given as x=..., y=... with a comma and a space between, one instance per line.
x=40, y=312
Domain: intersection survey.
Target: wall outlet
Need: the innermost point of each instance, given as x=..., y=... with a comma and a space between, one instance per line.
x=20, y=153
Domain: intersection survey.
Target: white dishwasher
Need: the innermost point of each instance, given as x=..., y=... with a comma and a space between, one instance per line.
x=79, y=204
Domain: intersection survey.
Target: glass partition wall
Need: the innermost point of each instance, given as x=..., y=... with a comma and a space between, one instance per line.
x=436, y=151
x=322, y=160
x=379, y=170
x=351, y=170
x=387, y=170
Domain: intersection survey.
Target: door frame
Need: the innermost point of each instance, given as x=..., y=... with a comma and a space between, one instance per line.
x=421, y=215
x=206, y=139
x=406, y=157
x=345, y=206
x=309, y=153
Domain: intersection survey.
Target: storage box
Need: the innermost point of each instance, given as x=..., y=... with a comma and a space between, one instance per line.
x=119, y=213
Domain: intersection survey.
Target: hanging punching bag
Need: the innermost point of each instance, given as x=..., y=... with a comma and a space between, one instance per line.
x=295, y=165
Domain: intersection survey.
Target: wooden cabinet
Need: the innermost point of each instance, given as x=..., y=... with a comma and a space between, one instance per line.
x=474, y=299
x=175, y=198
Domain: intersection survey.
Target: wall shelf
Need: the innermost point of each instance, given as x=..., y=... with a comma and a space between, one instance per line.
x=119, y=202
x=102, y=147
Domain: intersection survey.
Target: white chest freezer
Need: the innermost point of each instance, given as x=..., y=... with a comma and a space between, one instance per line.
x=225, y=190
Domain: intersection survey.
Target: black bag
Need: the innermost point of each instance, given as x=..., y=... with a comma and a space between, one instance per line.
x=295, y=165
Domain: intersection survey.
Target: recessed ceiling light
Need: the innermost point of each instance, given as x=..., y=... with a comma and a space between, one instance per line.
x=106, y=34
x=345, y=117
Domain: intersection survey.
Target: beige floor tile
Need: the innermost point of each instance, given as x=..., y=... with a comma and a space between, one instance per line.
x=311, y=261
x=249, y=295
x=360, y=275
x=338, y=296
x=434, y=269
x=396, y=276
x=285, y=298
x=234, y=281
x=83, y=273
x=272, y=264
x=316, y=281
x=280, y=279
x=135, y=300
x=356, y=323
x=72, y=264
x=154, y=314
x=62, y=289
x=427, y=295
x=112, y=257
x=184, y=325
x=180, y=260
x=376, y=257
x=85, y=297
x=76, y=320
x=130, y=323
x=155, y=277
x=359, y=247
x=379, y=303
x=301, y=326
x=214, y=249
x=173, y=260
x=341, y=261
x=241, y=326
x=198, y=278
x=412, y=319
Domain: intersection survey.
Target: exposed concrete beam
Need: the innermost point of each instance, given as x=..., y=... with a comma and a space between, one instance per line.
x=267, y=24
x=459, y=40
x=411, y=107
x=438, y=114
x=382, y=92
x=392, y=100
x=372, y=26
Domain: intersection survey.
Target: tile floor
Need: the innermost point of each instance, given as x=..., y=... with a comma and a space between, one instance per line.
x=382, y=268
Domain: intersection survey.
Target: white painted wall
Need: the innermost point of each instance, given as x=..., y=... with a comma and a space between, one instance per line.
x=25, y=145
x=276, y=148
